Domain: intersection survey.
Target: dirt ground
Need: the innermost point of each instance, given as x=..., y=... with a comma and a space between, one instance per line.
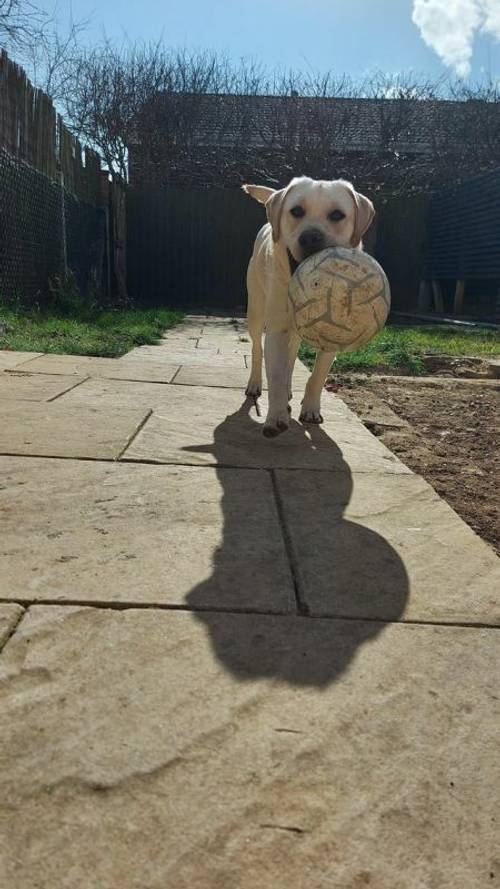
x=447, y=431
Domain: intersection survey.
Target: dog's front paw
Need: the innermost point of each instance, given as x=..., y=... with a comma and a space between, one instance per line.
x=254, y=388
x=311, y=414
x=276, y=423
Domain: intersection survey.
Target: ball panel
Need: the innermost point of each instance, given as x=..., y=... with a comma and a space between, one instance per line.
x=340, y=299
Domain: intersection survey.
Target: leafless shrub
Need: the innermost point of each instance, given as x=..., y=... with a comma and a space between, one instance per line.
x=198, y=118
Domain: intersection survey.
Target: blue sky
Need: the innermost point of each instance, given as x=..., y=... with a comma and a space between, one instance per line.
x=352, y=36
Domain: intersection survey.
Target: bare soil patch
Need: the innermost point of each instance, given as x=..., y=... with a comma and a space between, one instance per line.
x=448, y=432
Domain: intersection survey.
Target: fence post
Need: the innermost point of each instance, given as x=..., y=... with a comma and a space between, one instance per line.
x=105, y=200
x=119, y=239
x=64, y=245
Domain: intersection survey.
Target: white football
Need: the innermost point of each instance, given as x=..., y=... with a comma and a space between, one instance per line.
x=340, y=299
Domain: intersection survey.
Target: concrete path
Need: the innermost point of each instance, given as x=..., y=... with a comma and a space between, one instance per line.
x=228, y=662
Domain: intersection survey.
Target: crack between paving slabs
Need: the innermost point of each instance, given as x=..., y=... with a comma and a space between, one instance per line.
x=66, y=457
x=147, y=461
x=293, y=561
x=69, y=389
x=176, y=374
x=135, y=434
x=143, y=606
x=16, y=624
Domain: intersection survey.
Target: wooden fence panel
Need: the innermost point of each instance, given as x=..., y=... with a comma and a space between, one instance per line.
x=32, y=132
x=192, y=247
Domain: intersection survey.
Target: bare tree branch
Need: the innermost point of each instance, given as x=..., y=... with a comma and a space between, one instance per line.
x=53, y=57
x=20, y=23
x=197, y=117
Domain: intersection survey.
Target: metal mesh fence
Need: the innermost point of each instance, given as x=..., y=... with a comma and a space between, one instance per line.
x=44, y=232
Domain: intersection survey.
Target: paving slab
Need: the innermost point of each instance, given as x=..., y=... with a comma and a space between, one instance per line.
x=179, y=341
x=218, y=325
x=181, y=429
x=163, y=350
x=162, y=749
x=388, y=548
x=203, y=426
x=97, y=532
x=20, y=386
x=111, y=394
x=10, y=615
x=229, y=377
x=211, y=345
x=188, y=338
x=187, y=329
x=10, y=358
x=67, y=430
x=220, y=377
x=236, y=348
x=175, y=355
x=106, y=368
x=224, y=346
x=236, y=337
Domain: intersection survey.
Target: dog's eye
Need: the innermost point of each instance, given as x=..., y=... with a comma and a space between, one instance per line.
x=336, y=216
x=298, y=212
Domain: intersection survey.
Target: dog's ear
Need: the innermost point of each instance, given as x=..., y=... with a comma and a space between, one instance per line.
x=364, y=211
x=260, y=193
x=274, y=203
x=273, y=200
x=274, y=210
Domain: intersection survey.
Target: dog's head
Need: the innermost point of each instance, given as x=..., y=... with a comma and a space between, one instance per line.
x=310, y=215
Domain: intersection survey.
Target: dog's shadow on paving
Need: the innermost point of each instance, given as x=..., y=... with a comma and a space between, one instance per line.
x=352, y=574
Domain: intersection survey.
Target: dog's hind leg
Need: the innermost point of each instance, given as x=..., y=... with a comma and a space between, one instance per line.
x=255, y=321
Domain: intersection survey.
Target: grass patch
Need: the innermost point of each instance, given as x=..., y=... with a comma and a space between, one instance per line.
x=103, y=334
x=402, y=347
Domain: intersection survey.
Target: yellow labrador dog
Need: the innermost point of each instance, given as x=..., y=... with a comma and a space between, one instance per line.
x=306, y=216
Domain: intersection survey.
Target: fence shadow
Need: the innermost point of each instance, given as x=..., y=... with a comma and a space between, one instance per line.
x=353, y=572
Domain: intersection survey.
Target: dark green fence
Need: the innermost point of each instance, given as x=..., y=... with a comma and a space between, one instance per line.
x=190, y=248
x=400, y=246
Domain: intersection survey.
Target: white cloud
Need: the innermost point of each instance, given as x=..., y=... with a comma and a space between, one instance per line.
x=492, y=17
x=449, y=27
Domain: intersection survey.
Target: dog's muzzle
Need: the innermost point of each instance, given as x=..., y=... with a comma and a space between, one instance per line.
x=312, y=240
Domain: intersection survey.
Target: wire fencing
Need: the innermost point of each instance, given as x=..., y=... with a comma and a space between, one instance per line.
x=57, y=207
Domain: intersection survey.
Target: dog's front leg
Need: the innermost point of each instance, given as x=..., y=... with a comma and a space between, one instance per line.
x=311, y=406
x=277, y=370
x=293, y=348
x=256, y=323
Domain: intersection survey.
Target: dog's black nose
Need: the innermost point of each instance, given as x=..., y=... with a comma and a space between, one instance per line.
x=311, y=240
